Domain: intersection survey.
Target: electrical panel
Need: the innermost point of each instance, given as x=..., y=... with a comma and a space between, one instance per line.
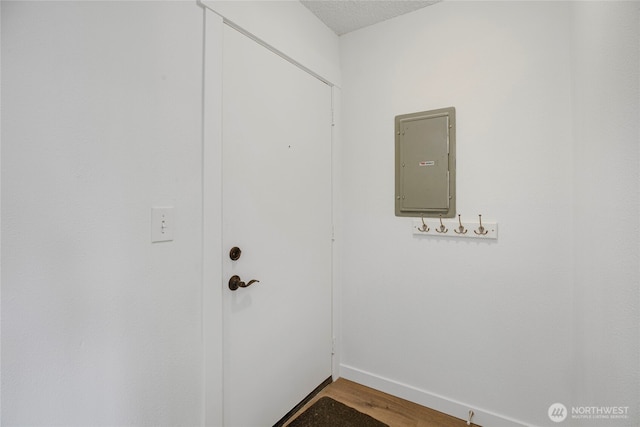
x=426, y=163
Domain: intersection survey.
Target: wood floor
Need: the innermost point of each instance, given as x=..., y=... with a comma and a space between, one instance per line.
x=389, y=409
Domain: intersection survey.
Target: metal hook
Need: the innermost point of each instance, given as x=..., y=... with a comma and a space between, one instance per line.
x=461, y=229
x=424, y=227
x=481, y=231
x=441, y=229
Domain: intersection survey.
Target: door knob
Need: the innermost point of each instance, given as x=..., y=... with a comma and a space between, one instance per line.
x=235, y=283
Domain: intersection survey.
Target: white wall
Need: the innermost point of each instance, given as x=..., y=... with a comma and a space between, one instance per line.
x=606, y=95
x=101, y=120
x=491, y=325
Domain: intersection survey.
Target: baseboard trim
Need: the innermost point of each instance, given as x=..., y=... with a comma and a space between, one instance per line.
x=430, y=400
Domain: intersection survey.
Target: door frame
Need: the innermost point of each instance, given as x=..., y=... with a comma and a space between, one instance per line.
x=212, y=252
x=212, y=313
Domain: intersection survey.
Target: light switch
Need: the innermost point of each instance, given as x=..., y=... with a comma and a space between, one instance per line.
x=162, y=224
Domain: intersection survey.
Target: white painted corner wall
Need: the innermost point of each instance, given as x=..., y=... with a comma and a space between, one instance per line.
x=547, y=103
x=606, y=98
x=101, y=120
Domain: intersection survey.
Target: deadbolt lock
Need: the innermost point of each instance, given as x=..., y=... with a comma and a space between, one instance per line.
x=235, y=253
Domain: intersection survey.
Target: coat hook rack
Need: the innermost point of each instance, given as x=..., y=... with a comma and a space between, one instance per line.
x=442, y=228
x=424, y=228
x=460, y=229
x=481, y=229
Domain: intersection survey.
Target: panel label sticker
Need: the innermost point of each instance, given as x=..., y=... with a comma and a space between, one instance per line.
x=427, y=163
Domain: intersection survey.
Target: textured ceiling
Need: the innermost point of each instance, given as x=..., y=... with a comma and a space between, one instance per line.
x=343, y=16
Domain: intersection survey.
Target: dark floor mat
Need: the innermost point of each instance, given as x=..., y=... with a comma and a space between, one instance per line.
x=327, y=412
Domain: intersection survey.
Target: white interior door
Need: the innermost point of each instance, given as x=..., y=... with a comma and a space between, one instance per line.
x=276, y=159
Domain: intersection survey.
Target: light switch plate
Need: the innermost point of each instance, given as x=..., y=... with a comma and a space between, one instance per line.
x=162, y=224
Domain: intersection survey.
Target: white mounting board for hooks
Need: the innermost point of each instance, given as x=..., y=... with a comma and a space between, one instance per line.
x=453, y=228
